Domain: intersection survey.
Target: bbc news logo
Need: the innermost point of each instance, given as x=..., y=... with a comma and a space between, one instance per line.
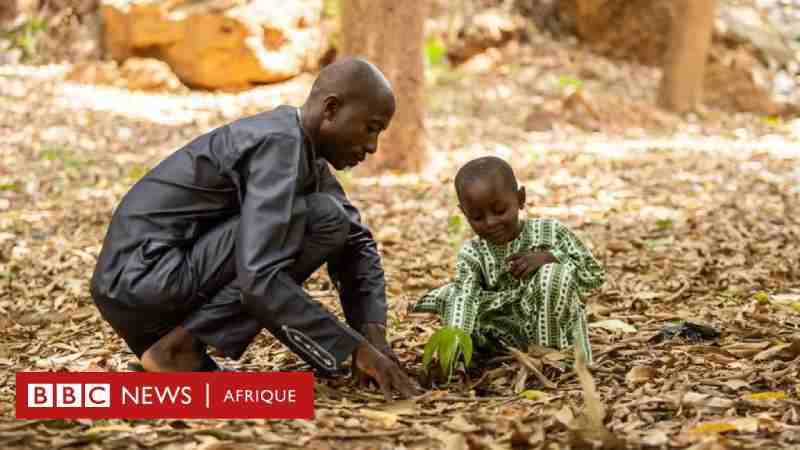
x=131, y=395
x=71, y=395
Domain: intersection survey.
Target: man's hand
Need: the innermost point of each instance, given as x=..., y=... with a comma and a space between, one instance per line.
x=523, y=264
x=376, y=335
x=388, y=374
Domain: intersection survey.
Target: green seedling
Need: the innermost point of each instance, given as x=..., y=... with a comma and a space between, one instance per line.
x=449, y=345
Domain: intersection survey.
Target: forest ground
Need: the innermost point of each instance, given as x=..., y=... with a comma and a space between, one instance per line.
x=694, y=218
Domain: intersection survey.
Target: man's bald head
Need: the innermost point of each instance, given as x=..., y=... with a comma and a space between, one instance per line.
x=350, y=104
x=351, y=79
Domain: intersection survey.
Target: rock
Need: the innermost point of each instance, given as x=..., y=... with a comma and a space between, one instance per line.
x=745, y=45
x=148, y=74
x=482, y=63
x=218, y=44
x=747, y=25
x=626, y=29
x=135, y=74
x=94, y=73
x=784, y=84
x=639, y=29
x=735, y=80
x=9, y=55
x=489, y=29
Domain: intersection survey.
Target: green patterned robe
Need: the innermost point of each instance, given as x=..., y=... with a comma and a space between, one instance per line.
x=545, y=308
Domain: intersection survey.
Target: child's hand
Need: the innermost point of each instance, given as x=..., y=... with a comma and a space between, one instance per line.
x=523, y=264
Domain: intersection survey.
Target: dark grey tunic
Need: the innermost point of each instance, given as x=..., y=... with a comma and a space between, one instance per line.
x=261, y=169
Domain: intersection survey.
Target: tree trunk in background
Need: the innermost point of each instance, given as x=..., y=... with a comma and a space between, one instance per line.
x=685, y=62
x=8, y=10
x=390, y=34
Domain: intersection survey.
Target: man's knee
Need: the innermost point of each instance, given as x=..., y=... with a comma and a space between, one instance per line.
x=327, y=219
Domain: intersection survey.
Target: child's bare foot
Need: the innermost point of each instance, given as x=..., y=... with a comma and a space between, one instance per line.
x=178, y=351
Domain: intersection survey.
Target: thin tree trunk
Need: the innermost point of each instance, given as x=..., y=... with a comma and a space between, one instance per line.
x=8, y=10
x=389, y=34
x=684, y=66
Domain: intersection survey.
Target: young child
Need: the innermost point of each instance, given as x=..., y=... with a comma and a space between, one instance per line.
x=518, y=282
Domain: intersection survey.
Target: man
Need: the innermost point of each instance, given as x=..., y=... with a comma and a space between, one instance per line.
x=214, y=243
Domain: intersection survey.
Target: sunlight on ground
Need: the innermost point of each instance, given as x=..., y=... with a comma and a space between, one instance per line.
x=169, y=109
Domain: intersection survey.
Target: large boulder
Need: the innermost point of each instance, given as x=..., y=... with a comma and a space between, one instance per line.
x=639, y=29
x=484, y=30
x=135, y=74
x=746, y=45
x=736, y=81
x=218, y=44
x=629, y=29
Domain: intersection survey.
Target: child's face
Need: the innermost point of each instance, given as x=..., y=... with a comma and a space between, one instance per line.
x=349, y=131
x=492, y=209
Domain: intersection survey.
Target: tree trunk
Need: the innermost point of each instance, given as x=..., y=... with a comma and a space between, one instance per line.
x=8, y=10
x=684, y=65
x=389, y=34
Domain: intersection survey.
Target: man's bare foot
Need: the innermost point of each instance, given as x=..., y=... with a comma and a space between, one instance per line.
x=178, y=351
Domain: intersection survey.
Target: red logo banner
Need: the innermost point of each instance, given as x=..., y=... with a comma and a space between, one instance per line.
x=187, y=395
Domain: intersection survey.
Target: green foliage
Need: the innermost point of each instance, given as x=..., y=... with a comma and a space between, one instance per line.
x=435, y=52
x=9, y=187
x=7, y=276
x=448, y=344
x=761, y=297
x=345, y=178
x=26, y=36
x=729, y=297
x=534, y=395
x=136, y=172
x=664, y=224
x=454, y=224
x=456, y=230
x=658, y=244
x=331, y=9
x=437, y=67
x=63, y=154
x=566, y=81
x=392, y=321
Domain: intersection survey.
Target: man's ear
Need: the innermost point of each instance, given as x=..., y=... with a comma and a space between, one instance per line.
x=330, y=107
x=521, y=197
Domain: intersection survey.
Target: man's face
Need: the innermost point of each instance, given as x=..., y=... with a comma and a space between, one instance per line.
x=492, y=209
x=349, y=131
